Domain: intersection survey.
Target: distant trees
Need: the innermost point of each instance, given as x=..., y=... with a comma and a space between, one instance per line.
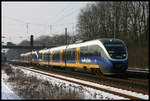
x=97, y=20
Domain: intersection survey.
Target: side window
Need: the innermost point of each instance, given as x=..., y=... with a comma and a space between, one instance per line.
x=88, y=51
x=48, y=56
x=51, y=55
x=35, y=57
x=98, y=49
x=84, y=51
x=29, y=57
x=44, y=56
x=40, y=56
x=73, y=53
x=64, y=54
x=70, y=54
x=94, y=50
x=56, y=55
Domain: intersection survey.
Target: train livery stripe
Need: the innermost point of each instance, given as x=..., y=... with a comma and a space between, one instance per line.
x=82, y=65
x=51, y=56
x=70, y=64
x=26, y=61
x=77, y=55
x=43, y=63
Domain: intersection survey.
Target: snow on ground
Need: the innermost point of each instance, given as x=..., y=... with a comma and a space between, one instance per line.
x=6, y=91
x=92, y=91
x=84, y=92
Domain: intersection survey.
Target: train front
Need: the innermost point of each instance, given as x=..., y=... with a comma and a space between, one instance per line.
x=116, y=56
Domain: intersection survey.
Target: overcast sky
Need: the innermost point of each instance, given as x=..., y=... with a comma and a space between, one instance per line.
x=42, y=18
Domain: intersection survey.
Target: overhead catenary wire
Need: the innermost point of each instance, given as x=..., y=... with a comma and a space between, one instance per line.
x=30, y=27
x=61, y=19
x=60, y=12
x=27, y=24
x=15, y=19
x=24, y=22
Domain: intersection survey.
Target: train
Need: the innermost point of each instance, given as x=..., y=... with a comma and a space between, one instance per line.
x=107, y=56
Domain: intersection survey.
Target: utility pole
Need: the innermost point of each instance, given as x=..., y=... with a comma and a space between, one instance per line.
x=66, y=36
x=31, y=41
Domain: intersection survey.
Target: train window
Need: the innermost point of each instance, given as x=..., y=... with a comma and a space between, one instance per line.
x=34, y=56
x=44, y=56
x=29, y=58
x=70, y=55
x=56, y=55
x=40, y=56
x=83, y=51
x=47, y=56
x=73, y=53
x=116, y=50
x=64, y=55
x=88, y=51
x=94, y=50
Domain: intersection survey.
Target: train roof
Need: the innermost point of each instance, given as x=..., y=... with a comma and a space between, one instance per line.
x=57, y=48
x=110, y=40
x=89, y=42
x=84, y=43
x=44, y=50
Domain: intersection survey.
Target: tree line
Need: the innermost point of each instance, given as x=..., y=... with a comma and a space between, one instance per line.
x=97, y=20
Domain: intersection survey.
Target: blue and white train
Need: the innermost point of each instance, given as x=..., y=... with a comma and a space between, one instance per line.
x=107, y=55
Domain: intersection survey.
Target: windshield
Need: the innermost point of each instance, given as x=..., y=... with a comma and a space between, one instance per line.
x=116, y=51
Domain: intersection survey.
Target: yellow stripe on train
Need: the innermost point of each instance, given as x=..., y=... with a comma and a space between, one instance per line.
x=70, y=64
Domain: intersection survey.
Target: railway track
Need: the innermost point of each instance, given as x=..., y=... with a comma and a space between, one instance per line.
x=140, y=85
x=126, y=82
x=60, y=72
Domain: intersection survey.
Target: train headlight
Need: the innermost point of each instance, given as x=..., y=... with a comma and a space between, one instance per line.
x=110, y=54
x=124, y=54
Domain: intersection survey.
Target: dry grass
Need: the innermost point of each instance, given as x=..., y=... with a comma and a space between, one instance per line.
x=33, y=88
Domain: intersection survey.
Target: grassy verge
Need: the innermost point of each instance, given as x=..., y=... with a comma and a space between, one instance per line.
x=33, y=88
